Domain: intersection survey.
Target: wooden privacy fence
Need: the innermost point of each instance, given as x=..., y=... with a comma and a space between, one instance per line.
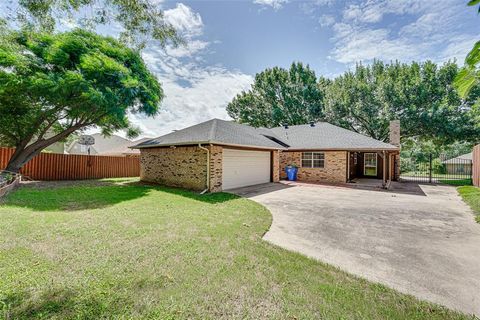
x=476, y=165
x=55, y=166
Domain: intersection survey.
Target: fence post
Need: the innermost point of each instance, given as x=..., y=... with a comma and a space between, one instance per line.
x=476, y=165
x=430, y=169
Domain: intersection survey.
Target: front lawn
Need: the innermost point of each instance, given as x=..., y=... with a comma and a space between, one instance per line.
x=118, y=249
x=471, y=195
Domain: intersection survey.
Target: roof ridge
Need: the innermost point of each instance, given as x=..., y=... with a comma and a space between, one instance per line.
x=298, y=125
x=213, y=129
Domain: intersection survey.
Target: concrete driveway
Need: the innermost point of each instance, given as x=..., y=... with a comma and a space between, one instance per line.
x=425, y=244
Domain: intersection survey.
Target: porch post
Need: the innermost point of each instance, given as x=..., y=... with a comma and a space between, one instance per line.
x=384, y=182
x=348, y=166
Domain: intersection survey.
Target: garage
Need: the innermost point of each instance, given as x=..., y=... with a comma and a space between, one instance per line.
x=242, y=168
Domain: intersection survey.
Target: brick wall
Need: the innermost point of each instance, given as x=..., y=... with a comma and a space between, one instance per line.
x=186, y=167
x=276, y=166
x=182, y=167
x=394, y=132
x=335, y=170
x=216, y=158
x=179, y=167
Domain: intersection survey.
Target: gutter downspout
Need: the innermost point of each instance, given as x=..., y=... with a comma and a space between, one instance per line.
x=208, y=168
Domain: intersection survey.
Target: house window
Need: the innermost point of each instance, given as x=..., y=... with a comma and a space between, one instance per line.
x=313, y=159
x=370, y=164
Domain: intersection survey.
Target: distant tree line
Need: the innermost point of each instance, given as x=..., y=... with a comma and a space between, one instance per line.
x=421, y=95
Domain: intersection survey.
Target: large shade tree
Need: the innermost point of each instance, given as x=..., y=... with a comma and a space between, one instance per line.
x=279, y=96
x=68, y=82
x=139, y=20
x=421, y=95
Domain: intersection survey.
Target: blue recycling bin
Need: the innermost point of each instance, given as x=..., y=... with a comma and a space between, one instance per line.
x=291, y=173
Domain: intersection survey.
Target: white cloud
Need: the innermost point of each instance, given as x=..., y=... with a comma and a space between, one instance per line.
x=309, y=7
x=458, y=49
x=357, y=44
x=191, y=48
x=194, y=93
x=275, y=4
x=326, y=20
x=156, y=2
x=372, y=11
x=187, y=22
x=435, y=33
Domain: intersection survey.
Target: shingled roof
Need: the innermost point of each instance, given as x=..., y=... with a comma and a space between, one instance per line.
x=215, y=131
x=464, y=158
x=320, y=136
x=326, y=136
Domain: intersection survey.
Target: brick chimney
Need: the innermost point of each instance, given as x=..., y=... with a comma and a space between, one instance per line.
x=395, y=132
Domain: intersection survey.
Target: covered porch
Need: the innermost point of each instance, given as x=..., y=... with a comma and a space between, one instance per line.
x=373, y=164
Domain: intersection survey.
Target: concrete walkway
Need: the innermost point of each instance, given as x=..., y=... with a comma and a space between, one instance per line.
x=426, y=244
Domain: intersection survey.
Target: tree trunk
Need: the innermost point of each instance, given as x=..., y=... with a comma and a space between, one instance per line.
x=20, y=158
x=23, y=153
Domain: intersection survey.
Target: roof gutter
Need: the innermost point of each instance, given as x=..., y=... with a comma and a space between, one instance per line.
x=208, y=168
x=168, y=144
x=344, y=149
x=209, y=142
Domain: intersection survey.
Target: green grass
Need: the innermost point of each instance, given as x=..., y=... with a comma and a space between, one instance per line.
x=462, y=182
x=471, y=195
x=117, y=249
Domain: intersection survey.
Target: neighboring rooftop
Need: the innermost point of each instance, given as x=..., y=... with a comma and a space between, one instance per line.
x=320, y=135
x=465, y=157
x=107, y=146
x=126, y=149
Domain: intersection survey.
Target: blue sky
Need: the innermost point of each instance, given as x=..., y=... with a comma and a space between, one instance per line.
x=230, y=41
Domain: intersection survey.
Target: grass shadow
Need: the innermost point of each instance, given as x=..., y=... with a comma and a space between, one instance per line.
x=212, y=198
x=72, y=196
x=21, y=306
x=53, y=303
x=95, y=194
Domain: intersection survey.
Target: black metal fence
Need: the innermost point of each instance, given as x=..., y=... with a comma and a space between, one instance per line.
x=428, y=168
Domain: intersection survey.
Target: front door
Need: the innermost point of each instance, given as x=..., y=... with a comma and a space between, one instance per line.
x=370, y=164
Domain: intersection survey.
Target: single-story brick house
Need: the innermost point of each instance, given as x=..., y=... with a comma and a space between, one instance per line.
x=461, y=165
x=219, y=155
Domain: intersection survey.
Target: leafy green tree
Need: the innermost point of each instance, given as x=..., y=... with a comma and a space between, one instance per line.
x=141, y=19
x=68, y=82
x=468, y=78
x=421, y=95
x=473, y=3
x=280, y=96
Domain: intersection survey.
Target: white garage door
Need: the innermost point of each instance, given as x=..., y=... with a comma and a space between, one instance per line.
x=245, y=168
